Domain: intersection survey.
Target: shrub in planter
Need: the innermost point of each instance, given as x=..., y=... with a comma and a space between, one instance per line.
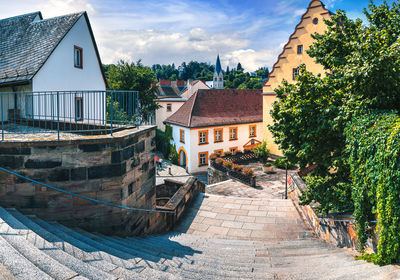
x=237, y=167
x=213, y=156
x=247, y=151
x=239, y=153
x=248, y=172
x=219, y=160
x=262, y=151
x=282, y=163
x=226, y=154
x=227, y=164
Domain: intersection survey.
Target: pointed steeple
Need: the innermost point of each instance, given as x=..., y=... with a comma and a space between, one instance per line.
x=218, y=67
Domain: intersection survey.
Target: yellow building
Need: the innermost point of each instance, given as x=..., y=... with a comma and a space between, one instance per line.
x=292, y=56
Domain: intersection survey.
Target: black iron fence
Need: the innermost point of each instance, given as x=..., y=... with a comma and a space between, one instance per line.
x=59, y=113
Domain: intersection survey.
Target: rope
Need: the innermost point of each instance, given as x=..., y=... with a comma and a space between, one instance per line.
x=87, y=198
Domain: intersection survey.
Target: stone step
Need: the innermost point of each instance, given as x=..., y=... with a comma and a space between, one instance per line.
x=5, y=274
x=193, y=268
x=61, y=250
x=18, y=265
x=44, y=262
x=232, y=263
x=141, y=251
x=143, y=268
x=94, y=256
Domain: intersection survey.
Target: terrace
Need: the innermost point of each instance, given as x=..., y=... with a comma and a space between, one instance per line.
x=58, y=115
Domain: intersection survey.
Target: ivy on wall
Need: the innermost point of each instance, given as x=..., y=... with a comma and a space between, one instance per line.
x=373, y=143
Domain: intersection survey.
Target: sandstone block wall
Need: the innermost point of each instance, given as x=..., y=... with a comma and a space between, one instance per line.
x=117, y=169
x=338, y=229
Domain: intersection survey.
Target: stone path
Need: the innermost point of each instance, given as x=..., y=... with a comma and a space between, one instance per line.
x=268, y=185
x=244, y=218
x=171, y=171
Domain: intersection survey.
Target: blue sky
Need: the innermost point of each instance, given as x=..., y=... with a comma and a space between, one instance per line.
x=250, y=31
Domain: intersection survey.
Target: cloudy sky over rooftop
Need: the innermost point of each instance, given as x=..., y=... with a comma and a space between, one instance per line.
x=250, y=31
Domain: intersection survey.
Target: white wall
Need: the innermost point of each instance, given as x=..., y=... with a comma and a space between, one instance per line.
x=243, y=138
x=176, y=137
x=162, y=114
x=193, y=149
x=8, y=98
x=60, y=74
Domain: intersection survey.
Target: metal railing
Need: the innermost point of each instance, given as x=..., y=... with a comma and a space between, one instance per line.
x=62, y=113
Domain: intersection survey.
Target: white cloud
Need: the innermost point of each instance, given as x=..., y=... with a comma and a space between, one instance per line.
x=166, y=47
x=178, y=30
x=53, y=8
x=251, y=59
x=49, y=8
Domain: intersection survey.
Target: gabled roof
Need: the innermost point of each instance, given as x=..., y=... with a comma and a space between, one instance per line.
x=213, y=107
x=27, y=41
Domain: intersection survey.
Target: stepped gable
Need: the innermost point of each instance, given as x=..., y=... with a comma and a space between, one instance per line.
x=288, y=58
x=211, y=107
x=27, y=41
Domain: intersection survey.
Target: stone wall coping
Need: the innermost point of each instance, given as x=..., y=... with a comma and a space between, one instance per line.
x=117, y=137
x=176, y=199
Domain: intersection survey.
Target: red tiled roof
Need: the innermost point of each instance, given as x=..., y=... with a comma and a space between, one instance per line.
x=212, y=107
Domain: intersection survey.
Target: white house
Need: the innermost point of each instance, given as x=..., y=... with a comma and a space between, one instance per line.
x=216, y=121
x=38, y=56
x=171, y=97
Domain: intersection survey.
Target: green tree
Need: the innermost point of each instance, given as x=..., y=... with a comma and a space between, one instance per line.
x=311, y=117
x=309, y=129
x=134, y=76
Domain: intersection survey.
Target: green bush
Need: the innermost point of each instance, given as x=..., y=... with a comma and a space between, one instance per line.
x=173, y=155
x=282, y=163
x=162, y=143
x=261, y=151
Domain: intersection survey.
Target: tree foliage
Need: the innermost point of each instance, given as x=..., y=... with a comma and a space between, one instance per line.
x=373, y=143
x=234, y=78
x=312, y=116
x=135, y=77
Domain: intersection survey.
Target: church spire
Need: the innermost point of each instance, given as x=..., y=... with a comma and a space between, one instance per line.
x=218, y=67
x=218, y=79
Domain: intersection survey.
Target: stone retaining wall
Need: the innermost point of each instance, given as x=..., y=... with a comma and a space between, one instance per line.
x=117, y=169
x=338, y=229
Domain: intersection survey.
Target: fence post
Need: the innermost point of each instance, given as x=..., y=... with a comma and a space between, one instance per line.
x=137, y=110
x=286, y=188
x=58, y=115
x=2, y=121
x=112, y=111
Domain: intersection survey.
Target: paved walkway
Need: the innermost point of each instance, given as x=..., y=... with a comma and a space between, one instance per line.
x=244, y=218
x=268, y=185
x=171, y=171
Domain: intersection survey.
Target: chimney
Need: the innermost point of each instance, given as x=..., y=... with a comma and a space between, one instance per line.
x=164, y=82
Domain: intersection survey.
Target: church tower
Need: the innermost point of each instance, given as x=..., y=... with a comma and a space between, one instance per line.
x=218, y=79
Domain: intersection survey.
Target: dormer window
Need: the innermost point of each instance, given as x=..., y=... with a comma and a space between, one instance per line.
x=78, y=62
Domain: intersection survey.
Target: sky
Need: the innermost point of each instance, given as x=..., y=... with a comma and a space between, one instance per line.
x=252, y=32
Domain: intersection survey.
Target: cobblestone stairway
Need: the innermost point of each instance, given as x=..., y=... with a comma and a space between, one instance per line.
x=31, y=248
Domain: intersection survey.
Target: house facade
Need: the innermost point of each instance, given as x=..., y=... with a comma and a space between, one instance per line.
x=39, y=56
x=293, y=55
x=216, y=121
x=171, y=97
